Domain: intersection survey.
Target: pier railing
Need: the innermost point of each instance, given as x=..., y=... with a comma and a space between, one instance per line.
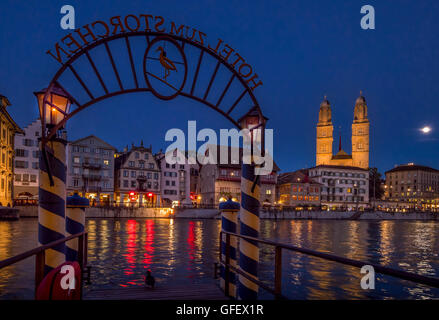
x=40, y=253
x=278, y=247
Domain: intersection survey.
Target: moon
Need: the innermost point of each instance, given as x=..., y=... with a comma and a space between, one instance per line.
x=426, y=130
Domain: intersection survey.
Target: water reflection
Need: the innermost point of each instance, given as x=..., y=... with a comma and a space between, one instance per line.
x=184, y=251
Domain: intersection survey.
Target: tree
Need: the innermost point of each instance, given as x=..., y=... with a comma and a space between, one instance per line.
x=375, y=190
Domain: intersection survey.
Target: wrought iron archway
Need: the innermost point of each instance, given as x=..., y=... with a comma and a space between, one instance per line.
x=149, y=36
x=52, y=193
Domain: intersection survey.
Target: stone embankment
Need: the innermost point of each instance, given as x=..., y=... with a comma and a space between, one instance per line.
x=190, y=213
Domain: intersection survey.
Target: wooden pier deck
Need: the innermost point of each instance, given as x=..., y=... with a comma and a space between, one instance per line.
x=194, y=292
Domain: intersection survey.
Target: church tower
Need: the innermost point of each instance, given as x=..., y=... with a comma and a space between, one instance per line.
x=324, y=134
x=360, y=134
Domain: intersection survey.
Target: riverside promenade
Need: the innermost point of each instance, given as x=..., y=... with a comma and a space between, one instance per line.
x=190, y=213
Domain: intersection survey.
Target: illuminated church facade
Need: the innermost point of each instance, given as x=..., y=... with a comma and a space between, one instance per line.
x=360, y=137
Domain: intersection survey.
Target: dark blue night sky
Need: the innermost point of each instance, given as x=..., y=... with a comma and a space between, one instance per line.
x=301, y=50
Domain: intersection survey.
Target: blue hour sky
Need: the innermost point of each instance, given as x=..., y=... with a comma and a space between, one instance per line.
x=301, y=50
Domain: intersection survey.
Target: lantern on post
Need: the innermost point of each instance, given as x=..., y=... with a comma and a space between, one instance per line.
x=254, y=122
x=250, y=197
x=54, y=104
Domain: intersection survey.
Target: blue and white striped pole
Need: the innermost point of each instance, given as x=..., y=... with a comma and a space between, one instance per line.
x=229, y=222
x=52, y=202
x=249, y=226
x=75, y=223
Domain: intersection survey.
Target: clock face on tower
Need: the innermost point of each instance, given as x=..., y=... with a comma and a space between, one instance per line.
x=165, y=67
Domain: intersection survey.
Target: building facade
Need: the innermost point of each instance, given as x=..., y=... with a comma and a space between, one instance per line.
x=220, y=181
x=90, y=170
x=343, y=187
x=360, y=137
x=137, y=177
x=26, y=164
x=175, y=179
x=195, y=189
x=413, y=187
x=297, y=189
x=8, y=129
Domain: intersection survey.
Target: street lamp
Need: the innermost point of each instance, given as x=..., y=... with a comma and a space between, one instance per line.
x=53, y=106
x=253, y=120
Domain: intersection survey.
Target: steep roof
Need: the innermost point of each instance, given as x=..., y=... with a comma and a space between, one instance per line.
x=230, y=162
x=94, y=137
x=122, y=158
x=341, y=155
x=4, y=102
x=299, y=176
x=412, y=167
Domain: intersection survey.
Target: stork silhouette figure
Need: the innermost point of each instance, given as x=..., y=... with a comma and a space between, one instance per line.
x=166, y=63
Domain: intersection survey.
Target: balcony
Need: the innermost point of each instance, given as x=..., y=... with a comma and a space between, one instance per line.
x=94, y=189
x=91, y=177
x=226, y=177
x=92, y=166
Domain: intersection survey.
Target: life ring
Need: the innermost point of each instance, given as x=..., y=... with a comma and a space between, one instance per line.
x=50, y=287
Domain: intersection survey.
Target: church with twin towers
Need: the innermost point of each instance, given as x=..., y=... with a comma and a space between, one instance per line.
x=360, y=137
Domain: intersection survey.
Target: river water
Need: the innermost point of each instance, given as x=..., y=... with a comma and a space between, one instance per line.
x=181, y=251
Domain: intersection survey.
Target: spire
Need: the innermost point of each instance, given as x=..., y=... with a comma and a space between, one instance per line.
x=339, y=144
x=361, y=99
x=325, y=102
x=360, y=110
x=141, y=143
x=325, y=111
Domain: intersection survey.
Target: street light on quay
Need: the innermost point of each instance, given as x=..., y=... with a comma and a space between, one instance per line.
x=54, y=104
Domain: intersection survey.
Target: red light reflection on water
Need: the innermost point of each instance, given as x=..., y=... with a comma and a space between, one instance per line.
x=131, y=247
x=191, y=240
x=192, y=249
x=149, y=244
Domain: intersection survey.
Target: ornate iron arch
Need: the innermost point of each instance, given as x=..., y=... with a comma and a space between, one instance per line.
x=150, y=37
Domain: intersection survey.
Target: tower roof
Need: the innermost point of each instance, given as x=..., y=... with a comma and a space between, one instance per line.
x=361, y=99
x=342, y=155
x=360, y=110
x=325, y=102
x=325, y=113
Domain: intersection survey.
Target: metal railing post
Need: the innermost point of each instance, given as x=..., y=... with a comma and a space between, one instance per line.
x=278, y=272
x=81, y=251
x=85, y=249
x=227, y=266
x=39, y=268
x=220, y=247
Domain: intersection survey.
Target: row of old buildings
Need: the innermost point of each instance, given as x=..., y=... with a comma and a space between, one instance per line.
x=138, y=175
